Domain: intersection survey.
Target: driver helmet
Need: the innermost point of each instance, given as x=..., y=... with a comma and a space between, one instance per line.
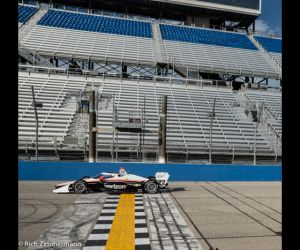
x=122, y=171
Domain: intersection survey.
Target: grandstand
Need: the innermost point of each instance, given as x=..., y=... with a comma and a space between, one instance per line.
x=63, y=53
x=273, y=46
x=26, y=12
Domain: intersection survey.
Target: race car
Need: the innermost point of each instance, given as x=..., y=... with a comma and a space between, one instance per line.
x=115, y=182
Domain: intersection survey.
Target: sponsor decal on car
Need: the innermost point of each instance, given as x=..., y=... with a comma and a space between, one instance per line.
x=136, y=185
x=114, y=186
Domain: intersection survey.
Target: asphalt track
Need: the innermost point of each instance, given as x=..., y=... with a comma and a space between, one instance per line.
x=191, y=215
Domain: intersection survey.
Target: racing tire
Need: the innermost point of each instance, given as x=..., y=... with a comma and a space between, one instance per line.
x=151, y=187
x=80, y=187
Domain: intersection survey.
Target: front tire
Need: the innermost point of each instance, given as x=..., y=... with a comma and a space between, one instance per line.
x=80, y=187
x=151, y=187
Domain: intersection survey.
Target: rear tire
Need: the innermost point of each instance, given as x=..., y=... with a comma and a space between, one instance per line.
x=151, y=187
x=80, y=187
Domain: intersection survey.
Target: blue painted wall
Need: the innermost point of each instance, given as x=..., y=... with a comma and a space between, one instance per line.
x=178, y=172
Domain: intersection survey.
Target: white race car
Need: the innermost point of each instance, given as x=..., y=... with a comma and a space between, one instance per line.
x=115, y=182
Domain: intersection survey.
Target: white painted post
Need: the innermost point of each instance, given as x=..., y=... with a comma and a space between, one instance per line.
x=276, y=148
x=55, y=144
x=254, y=150
x=210, y=134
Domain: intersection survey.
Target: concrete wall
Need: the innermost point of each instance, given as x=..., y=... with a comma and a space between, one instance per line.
x=179, y=172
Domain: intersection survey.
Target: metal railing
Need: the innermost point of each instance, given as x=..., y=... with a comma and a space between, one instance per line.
x=192, y=153
x=33, y=57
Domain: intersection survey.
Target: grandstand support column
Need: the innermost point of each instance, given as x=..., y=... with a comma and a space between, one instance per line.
x=90, y=65
x=55, y=144
x=84, y=147
x=35, y=105
x=92, y=125
x=212, y=115
x=144, y=125
x=257, y=122
x=276, y=148
x=114, y=131
x=90, y=6
x=124, y=71
x=162, y=131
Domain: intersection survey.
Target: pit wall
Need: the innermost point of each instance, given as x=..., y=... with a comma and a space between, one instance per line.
x=47, y=171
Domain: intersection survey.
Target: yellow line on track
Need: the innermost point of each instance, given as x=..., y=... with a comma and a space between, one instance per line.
x=122, y=232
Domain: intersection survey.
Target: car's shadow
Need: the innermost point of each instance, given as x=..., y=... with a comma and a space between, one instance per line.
x=177, y=189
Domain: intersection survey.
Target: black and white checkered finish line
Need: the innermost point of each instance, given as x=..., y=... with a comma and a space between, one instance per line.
x=100, y=232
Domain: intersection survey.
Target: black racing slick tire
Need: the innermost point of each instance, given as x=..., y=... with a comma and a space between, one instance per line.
x=151, y=187
x=80, y=187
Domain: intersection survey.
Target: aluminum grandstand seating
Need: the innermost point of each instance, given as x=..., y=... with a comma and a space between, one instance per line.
x=188, y=120
x=205, y=36
x=84, y=45
x=93, y=23
x=271, y=45
x=188, y=114
x=56, y=114
x=25, y=13
x=68, y=35
x=90, y=37
x=216, y=51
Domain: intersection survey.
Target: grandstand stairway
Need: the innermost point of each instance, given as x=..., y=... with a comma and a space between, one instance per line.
x=275, y=65
x=272, y=46
x=79, y=128
x=267, y=120
x=31, y=56
x=158, y=48
x=241, y=107
x=31, y=23
x=271, y=137
x=240, y=114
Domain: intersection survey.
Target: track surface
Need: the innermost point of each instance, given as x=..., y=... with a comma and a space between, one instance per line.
x=223, y=215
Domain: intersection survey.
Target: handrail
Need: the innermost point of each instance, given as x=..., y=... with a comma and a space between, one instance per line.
x=41, y=67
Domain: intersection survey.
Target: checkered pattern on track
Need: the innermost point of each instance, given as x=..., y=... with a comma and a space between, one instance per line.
x=98, y=238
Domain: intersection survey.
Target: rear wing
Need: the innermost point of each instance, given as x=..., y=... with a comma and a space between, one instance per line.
x=162, y=178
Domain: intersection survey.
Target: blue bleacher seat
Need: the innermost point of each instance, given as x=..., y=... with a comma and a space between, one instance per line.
x=270, y=44
x=205, y=36
x=25, y=13
x=68, y=20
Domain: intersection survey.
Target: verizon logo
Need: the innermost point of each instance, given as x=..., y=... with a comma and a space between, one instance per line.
x=114, y=186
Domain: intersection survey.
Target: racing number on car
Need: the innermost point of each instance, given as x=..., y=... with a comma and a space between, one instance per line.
x=161, y=182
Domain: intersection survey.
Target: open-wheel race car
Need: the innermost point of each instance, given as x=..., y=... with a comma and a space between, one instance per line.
x=115, y=182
